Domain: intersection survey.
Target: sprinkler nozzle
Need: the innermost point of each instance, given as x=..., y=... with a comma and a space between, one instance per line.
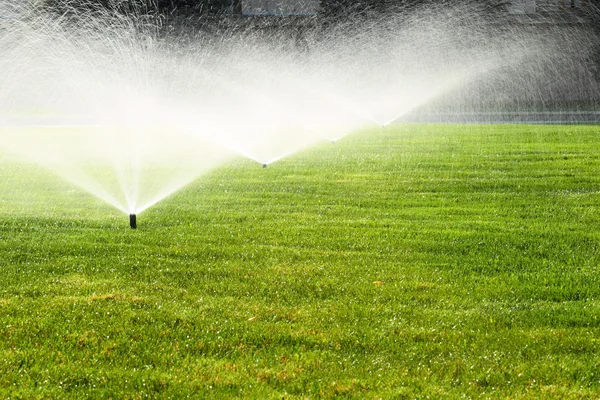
x=264, y=165
x=132, y=221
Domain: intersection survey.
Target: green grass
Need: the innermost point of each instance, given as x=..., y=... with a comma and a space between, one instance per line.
x=416, y=261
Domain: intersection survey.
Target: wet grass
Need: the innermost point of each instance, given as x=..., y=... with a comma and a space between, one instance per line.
x=415, y=261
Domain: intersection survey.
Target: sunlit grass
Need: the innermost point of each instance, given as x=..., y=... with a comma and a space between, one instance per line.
x=418, y=260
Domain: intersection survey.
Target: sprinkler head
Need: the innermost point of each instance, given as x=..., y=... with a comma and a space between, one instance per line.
x=264, y=165
x=132, y=221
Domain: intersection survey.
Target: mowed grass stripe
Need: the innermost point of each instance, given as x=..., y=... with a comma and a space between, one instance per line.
x=410, y=261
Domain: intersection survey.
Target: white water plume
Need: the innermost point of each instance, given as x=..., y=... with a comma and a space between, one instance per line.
x=143, y=113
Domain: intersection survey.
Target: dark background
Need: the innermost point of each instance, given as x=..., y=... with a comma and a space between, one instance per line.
x=224, y=15
x=329, y=8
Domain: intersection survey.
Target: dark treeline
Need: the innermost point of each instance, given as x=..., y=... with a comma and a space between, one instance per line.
x=330, y=9
x=143, y=6
x=346, y=8
x=218, y=17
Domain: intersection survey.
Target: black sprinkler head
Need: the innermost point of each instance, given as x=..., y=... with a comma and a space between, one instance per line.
x=264, y=165
x=132, y=221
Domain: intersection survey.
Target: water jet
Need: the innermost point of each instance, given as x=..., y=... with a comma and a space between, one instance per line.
x=135, y=114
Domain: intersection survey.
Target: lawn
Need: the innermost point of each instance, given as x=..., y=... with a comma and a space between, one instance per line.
x=415, y=261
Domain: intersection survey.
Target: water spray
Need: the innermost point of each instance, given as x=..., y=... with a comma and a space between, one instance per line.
x=103, y=76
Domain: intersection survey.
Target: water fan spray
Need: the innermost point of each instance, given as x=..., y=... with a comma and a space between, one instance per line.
x=103, y=77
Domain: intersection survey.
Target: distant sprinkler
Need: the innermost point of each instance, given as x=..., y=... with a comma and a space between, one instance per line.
x=264, y=165
x=132, y=221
